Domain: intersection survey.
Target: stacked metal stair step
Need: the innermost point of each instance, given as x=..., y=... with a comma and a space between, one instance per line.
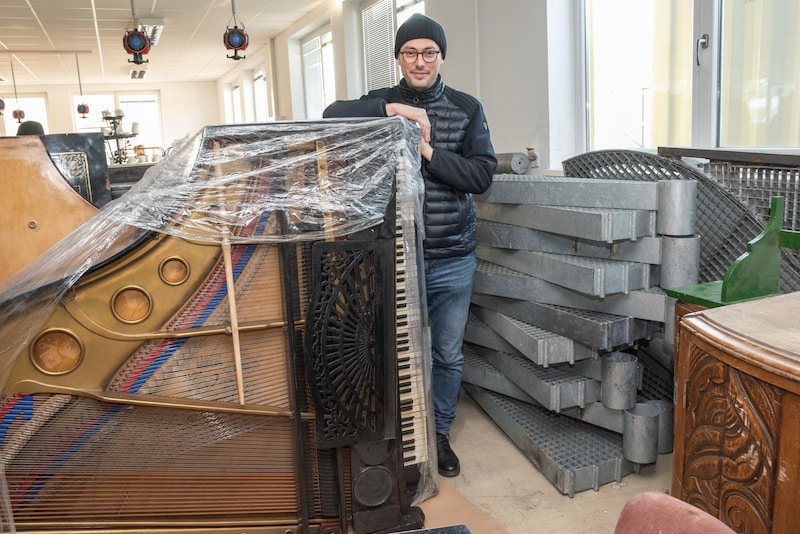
x=598, y=330
x=567, y=292
x=597, y=224
x=540, y=346
x=493, y=279
x=574, y=456
x=577, y=450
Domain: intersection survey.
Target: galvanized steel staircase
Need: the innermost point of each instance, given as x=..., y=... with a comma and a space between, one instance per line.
x=567, y=294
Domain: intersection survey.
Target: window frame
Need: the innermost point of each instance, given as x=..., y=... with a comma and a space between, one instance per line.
x=326, y=75
x=705, y=77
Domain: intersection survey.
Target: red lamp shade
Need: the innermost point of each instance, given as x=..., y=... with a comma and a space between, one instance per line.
x=236, y=39
x=136, y=43
x=83, y=110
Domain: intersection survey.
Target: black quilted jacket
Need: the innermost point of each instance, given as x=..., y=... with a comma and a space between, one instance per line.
x=463, y=160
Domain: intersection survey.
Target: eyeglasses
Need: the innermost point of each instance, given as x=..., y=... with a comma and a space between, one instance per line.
x=410, y=55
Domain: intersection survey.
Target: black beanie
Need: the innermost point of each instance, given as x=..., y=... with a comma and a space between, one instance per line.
x=420, y=27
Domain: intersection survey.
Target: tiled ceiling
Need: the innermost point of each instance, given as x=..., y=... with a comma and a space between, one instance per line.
x=51, y=41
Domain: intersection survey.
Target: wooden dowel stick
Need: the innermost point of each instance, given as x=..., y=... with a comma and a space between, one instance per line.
x=237, y=348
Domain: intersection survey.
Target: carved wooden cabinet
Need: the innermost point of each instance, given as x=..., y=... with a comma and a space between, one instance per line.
x=737, y=414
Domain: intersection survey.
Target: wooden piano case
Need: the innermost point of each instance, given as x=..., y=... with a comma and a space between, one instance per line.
x=226, y=348
x=737, y=415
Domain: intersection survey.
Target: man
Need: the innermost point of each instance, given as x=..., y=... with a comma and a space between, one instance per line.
x=458, y=160
x=30, y=128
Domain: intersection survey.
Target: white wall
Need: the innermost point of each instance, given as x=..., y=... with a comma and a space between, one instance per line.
x=188, y=107
x=461, y=68
x=523, y=60
x=513, y=81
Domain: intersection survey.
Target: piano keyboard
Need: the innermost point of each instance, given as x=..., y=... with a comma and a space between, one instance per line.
x=410, y=363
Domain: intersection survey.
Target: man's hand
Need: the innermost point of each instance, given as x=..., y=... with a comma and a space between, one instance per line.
x=425, y=149
x=418, y=115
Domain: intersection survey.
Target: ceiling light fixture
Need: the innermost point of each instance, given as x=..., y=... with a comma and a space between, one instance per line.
x=83, y=108
x=153, y=27
x=235, y=38
x=136, y=42
x=18, y=114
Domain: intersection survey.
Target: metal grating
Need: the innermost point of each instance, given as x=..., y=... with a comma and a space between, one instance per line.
x=756, y=185
x=596, y=224
x=593, y=329
x=537, y=344
x=480, y=333
x=574, y=456
x=509, y=236
x=501, y=281
x=555, y=388
x=596, y=277
x=479, y=372
x=561, y=191
x=725, y=223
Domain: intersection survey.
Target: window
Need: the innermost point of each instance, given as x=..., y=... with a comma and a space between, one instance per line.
x=236, y=104
x=406, y=8
x=34, y=107
x=378, y=35
x=639, y=78
x=144, y=110
x=760, y=74
x=692, y=73
x=378, y=39
x=93, y=122
x=260, y=97
x=318, y=74
x=141, y=115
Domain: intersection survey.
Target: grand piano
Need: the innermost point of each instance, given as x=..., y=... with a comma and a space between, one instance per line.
x=51, y=184
x=237, y=344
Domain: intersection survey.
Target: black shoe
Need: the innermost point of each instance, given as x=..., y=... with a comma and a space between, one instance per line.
x=448, y=461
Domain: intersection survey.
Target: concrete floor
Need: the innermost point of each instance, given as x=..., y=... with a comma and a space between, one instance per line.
x=498, y=478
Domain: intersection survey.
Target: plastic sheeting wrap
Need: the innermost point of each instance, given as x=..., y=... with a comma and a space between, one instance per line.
x=289, y=182
x=207, y=174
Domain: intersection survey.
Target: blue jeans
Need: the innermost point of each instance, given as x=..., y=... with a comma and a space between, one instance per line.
x=448, y=285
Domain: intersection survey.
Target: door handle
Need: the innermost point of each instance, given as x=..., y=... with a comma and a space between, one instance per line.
x=702, y=42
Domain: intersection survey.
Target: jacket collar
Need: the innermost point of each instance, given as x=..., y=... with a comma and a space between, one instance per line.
x=425, y=96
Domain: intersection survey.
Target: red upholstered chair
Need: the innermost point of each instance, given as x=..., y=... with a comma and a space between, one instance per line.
x=653, y=512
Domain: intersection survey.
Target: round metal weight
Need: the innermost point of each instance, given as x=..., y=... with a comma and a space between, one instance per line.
x=373, y=485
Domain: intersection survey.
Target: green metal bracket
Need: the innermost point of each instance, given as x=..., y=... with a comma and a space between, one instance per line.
x=754, y=274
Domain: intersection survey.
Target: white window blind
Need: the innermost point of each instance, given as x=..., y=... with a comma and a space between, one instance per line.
x=378, y=30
